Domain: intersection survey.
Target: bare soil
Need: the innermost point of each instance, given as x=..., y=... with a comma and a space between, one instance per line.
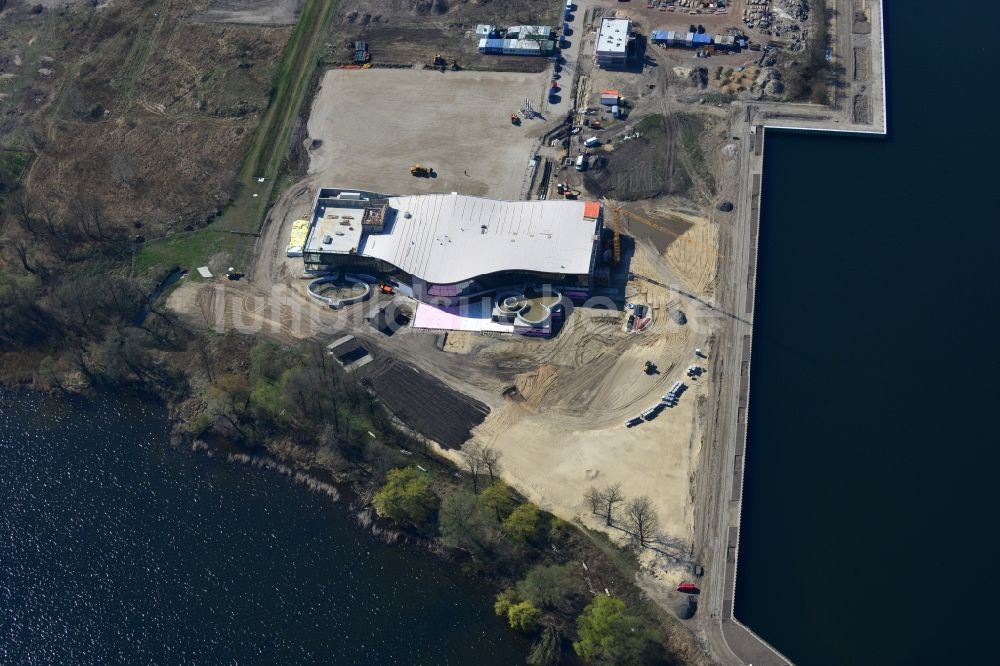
x=257, y=12
x=372, y=125
x=425, y=403
x=414, y=31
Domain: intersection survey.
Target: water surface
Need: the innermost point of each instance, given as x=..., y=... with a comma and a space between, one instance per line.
x=869, y=513
x=117, y=548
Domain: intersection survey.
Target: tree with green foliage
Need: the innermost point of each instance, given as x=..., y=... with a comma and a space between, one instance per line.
x=504, y=601
x=524, y=617
x=558, y=587
x=547, y=650
x=464, y=525
x=525, y=524
x=406, y=496
x=609, y=635
x=498, y=499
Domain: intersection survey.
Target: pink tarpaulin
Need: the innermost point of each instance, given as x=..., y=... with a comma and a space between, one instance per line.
x=475, y=317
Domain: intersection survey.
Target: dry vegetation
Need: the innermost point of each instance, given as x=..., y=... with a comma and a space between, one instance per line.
x=139, y=107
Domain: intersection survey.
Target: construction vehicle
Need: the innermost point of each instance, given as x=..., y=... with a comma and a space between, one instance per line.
x=421, y=171
x=650, y=368
x=515, y=119
x=386, y=289
x=567, y=191
x=439, y=63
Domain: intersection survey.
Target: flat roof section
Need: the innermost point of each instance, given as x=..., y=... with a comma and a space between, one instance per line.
x=450, y=238
x=342, y=225
x=474, y=318
x=612, y=38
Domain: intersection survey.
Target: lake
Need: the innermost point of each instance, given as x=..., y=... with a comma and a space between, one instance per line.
x=117, y=548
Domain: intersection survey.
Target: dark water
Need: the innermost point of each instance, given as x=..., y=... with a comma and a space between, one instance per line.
x=870, y=514
x=116, y=548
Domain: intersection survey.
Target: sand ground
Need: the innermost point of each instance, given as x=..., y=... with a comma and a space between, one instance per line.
x=374, y=124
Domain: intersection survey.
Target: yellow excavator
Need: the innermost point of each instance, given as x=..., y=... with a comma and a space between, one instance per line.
x=421, y=171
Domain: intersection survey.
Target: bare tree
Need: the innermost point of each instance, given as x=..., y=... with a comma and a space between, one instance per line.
x=473, y=454
x=594, y=498
x=490, y=459
x=611, y=497
x=642, y=519
x=21, y=248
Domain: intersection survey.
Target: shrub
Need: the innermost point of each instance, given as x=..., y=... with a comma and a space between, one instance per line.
x=406, y=496
x=524, y=617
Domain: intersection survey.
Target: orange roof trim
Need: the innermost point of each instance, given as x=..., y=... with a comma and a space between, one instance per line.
x=592, y=209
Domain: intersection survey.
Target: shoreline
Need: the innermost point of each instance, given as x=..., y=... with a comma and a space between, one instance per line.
x=726, y=633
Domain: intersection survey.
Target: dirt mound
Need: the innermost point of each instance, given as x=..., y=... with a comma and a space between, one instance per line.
x=533, y=385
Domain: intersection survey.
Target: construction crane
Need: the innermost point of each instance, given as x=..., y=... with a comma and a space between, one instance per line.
x=617, y=252
x=649, y=223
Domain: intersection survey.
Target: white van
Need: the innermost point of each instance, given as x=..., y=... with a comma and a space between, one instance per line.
x=581, y=163
x=592, y=141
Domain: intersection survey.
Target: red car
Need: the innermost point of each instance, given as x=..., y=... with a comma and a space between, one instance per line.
x=688, y=587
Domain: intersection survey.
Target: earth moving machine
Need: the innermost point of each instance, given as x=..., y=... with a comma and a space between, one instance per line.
x=515, y=119
x=567, y=191
x=421, y=171
x=650, y=368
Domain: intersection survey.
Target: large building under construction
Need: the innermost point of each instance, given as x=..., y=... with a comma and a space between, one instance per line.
x=445, y=247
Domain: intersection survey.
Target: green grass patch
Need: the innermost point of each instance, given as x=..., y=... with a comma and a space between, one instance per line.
x=271, y=367
x=653, y=128
x=12, y=165
x=691, y=128
x=186, y=250
x=624, y=559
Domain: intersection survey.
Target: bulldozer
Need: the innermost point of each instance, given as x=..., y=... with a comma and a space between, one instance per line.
x=421, y=171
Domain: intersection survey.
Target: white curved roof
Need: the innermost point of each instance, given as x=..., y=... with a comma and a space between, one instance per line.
x=449, y=238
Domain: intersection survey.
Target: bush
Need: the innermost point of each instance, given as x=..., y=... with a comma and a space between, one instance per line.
x=406, y=496
x=524, y=617
x=504, y=601
x=558, y=587
x=465, y=525
x=525, y=524
x=608, y=635
x=498, y=500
